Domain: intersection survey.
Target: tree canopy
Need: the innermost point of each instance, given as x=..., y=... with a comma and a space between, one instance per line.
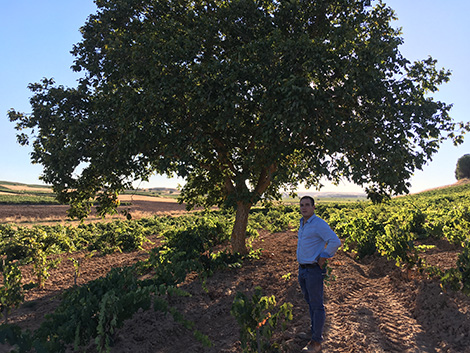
x=241, y=98
x=462, y=169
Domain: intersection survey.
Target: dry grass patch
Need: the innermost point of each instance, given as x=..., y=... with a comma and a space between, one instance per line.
x=131, y=198
x=26, y=188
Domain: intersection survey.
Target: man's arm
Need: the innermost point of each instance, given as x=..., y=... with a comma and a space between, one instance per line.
x=332, y=244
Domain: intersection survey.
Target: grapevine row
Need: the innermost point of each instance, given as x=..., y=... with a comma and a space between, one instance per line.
x=393, y=229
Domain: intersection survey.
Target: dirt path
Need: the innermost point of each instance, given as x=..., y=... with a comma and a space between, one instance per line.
x=372, y=305
x=374, y=311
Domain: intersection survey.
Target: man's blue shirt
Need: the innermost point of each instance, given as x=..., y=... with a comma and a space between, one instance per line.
x=315, y=239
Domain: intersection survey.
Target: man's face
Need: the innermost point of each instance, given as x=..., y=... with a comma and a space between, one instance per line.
x=306, y=208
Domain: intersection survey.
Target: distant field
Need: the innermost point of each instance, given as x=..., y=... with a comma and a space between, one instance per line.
x=140, y=197
x=14, y=185
x=16, y=193
x=25, y=194
x=347, y=198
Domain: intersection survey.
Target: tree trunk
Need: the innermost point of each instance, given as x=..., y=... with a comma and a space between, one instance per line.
x=239, y=228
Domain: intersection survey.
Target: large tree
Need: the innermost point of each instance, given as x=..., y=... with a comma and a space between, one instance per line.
x=241, y=98
x=462, y=170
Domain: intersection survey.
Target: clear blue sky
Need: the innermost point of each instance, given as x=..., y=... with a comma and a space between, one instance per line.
x=36, y=38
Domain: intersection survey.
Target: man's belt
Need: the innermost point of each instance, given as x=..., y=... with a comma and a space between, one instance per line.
x=308, y=265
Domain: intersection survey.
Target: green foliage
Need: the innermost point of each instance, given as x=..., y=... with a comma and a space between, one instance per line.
x=202, y=236
x=258, y=317
x=97, y=309
x=328, y=276
x=115, y=307
x=14, y=335
x=189, y=249
x=240, y=98
x=287, y=276
x=456, y=225
x=377, y=195
x=25, y=243
x=160, y=304
x=77, y=264
x=462, y=169
x=28, y=199
x=118, y=236
x=392, y=229
x=412, y=220
x=32, y=246
x=277, y=218
x=11, y=292
x=458, y=278
x=94, y=311
x=396, y=244
x=361, y=235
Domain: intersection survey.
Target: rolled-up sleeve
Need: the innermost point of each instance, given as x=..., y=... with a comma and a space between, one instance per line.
x=332, y=241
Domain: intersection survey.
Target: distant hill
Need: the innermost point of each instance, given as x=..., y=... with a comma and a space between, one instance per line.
x=336, y=194
x=18, y=193
x=463, y=184
x=22, y=185
x=20, y=188
x=460, y=182
x=15, y=186
x=164, y=190
x=157, y=191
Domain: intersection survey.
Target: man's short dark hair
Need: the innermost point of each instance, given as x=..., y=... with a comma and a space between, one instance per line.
x=308, y=197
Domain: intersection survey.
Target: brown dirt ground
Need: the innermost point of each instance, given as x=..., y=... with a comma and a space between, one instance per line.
x=372, y=305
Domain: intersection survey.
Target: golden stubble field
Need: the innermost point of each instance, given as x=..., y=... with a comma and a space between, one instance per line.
x=138, y=205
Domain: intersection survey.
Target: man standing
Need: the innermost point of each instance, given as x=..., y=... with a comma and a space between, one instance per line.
x=316, y=243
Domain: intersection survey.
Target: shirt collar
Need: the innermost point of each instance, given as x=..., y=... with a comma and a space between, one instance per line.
x=309, y=220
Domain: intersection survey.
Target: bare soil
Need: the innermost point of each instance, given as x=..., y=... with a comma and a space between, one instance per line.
x=371, y=305
x=140, y=207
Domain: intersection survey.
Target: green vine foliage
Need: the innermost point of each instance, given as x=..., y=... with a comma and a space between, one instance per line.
x=393, y=229
x=97, y=309
x=258, y=317
x=32, y=246
x=276, y=218
x=463, y=265
x=458, y=278
x=360, y=235
x=11, y=292
x=396, y=244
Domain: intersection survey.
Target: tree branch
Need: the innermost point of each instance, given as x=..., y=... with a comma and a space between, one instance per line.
x=265, y=179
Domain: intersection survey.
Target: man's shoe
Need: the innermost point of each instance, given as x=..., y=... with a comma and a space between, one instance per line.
x=313, y=347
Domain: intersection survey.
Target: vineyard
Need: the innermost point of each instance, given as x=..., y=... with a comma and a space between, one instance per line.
x=168, y=283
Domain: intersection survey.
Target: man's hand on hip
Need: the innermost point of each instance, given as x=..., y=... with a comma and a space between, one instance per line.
x=321, y=262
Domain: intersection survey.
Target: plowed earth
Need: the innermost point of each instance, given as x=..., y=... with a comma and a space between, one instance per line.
x=371, y=305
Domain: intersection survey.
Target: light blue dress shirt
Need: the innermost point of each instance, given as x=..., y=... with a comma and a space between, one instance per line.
x=315, y=239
